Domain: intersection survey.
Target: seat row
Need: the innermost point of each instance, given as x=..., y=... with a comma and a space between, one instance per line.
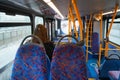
x=32, y=63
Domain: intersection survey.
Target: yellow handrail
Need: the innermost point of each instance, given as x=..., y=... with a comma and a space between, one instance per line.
x=87, y=35
x=79, y=18
x=69, y=26
x=91, y=33
x=108, y=33
x=101, y=37
x=74, y=25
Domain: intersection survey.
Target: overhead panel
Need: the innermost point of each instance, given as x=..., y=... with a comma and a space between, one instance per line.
x=85, y=7
x=35, y=5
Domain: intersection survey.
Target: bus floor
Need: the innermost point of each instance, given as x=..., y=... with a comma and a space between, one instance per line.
x=91, y=67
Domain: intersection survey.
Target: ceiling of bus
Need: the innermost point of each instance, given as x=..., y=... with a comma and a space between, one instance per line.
x=86, y=7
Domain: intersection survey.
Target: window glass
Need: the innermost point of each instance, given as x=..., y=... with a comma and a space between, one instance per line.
x=13, y=18
x=64, y=26
x=105, y=29
x=115, y=20
x=115, y=33
x=11, y=37
x=38, y=20
x=56, y=25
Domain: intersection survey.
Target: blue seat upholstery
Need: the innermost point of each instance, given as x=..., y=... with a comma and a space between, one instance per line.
x=68, y=63
x=95, y=43
x=112, y=47
x=108, y=65
x=31, y=63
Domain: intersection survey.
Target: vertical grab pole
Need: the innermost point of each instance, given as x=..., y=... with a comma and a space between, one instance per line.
x=91, y=33
x=75, y=28
x=101, y=37
x=74, y=25
x=110, y=27
x=87, y=35
x=69, y=26
x=79, y=18
x=87, y=31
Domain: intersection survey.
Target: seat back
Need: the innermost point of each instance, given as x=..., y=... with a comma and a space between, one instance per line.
x=95, y=42
x=31, y=63
x=68, y=63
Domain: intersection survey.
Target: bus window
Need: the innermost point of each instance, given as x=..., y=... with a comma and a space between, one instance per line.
x=12, y=35
x=115, y=32
x=13, y=18
x=38, y=20
x=64, y=26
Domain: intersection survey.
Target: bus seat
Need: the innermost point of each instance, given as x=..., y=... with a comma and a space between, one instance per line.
x=31, y=63
x=108, y=65
x=95, y=43
x=112, y=47
x=68, y=63
x=114, y=75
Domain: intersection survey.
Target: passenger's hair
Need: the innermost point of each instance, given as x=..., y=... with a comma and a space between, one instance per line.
x=41, y=32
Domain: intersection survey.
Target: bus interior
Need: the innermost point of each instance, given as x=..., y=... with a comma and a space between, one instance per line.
x=77, y=39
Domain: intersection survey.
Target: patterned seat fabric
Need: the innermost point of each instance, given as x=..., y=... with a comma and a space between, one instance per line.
x=31, y=63
x=68, y=63
x=95, y=42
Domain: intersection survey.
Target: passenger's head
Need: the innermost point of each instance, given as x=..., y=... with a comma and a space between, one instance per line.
x=41, y=32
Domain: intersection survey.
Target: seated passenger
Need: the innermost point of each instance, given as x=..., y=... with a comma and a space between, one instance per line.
x=41, y=32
